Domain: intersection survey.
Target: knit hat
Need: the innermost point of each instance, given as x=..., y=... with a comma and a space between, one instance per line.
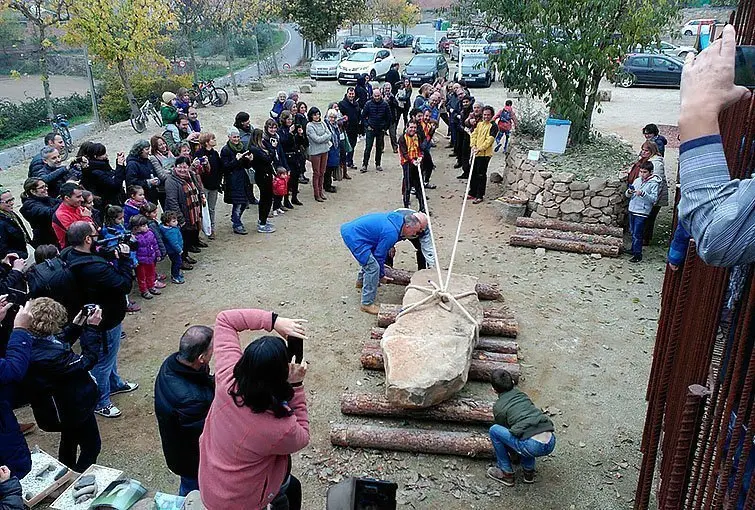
x=168, y=97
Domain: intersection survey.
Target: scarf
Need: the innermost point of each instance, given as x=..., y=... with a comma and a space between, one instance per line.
x=193, y=203
x=236, y=147
x=412, y=148
x=13, y=217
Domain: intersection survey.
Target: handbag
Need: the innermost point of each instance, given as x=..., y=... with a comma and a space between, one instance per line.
x=206, y=224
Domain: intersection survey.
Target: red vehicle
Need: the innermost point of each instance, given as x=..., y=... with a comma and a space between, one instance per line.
x=444, y=45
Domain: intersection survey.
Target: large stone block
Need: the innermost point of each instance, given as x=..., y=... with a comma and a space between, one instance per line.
x=427, y=351
x=527, y=176
x=566, y=177
x=560, y=187
x=572, y=206
x=597, y=183
x=591, y=212
x=572, y=217
x=549, y=184
x=256, y=86
x=599, y=202
x=533, y=190
x=305, y=89
x=538, y=179
x=578, y=186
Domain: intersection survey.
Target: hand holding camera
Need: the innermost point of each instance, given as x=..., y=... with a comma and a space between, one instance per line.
x=5, y=305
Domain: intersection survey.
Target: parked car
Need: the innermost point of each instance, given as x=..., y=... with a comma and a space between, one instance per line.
x=403, y=41
x=426, y=68
x=383, y=41
x=351, y=39
x=373, y=61
x=443, y=44
x=649, y=69
x=667, y=48
x=458, y=42
x=476, y=70
x=326, y=62
x=424, y=44
x=361, y=45
x=702, y=25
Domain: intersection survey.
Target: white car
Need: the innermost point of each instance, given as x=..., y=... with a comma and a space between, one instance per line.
x=672, y=50
x=703, y=25
x=325, y=63
x=373, y=61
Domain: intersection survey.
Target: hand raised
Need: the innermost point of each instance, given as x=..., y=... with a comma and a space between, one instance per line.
x=285, y=327
x=296, y=371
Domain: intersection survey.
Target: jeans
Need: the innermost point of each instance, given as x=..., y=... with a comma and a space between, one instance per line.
x=176, y=261
x=84, y=436
x=411, y=180
x=212, y=200
x=377, y=138
x=392, y=134
x=637, y=228
x=319, y=164
x=188, y=485
x=369, y=275
x=289, y=497
x=502, y=437
x=237, y=211
x=453, y=129
x=105, y=372
x=145, y=276
x=500, y=135
x=479, y=176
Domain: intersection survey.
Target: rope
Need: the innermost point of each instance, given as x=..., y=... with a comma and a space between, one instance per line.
x=429, y=222
x=458, y=227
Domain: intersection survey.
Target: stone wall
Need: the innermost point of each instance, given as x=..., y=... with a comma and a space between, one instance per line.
x=562, y=195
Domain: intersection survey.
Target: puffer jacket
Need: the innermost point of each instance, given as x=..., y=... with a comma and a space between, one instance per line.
x=515, y=411
x=334, y=153
x=643, y=204
x=376, y=115
x=104, y=182
x=154, y=226
x=38, y=211
x=659, y=170
x=14, y=451
x=147, y=251
x=238, y=187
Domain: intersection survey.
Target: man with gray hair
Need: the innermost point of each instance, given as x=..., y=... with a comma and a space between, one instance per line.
x=50, y=171
x=184, y=390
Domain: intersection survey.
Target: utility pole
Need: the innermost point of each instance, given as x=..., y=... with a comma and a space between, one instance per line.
x=92, y=93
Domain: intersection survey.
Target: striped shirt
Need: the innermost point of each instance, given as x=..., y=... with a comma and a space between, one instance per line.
x=719, y=212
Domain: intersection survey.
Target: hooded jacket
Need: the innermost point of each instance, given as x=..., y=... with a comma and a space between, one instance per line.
x=14, y=451
x=363, y=90
x=515, y=411
x=373, y=234
x=353, y=112
x=643, y=204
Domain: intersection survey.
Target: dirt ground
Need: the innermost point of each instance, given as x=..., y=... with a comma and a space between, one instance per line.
x=587, y=328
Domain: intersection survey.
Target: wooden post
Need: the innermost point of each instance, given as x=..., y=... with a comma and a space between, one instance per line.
x=483, y=344
x=458, y=410
x=372, y=344
x=485, y=291
x=570, y=236
x=562, y=245
x=568, y=226
x=490, y=326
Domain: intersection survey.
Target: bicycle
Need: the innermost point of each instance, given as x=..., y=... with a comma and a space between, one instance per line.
x=146, y=112
x=206, y=93
x=59, y=126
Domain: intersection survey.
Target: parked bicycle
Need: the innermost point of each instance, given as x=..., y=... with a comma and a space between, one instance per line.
x=146, y=112
x=59, y=126
x=206, y=93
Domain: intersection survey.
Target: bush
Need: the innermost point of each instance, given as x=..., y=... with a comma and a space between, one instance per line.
x=19, y=118
x=530, y=118
x=113, y=103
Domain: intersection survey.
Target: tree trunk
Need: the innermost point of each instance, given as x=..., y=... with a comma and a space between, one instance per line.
x=562, y=245
x=490, y=326
x=372, y=345
x=126, y=81
x=569, y=226
x=192, y=56
x=570, y=236
x=483, y=344
x=457, y=410
x=45, y=72
x=597, y=75
x=465, y=444
x=485, y=291
x=227, y=40
x=580, y=133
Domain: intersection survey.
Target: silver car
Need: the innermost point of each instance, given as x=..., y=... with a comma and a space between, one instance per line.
x=326, y=62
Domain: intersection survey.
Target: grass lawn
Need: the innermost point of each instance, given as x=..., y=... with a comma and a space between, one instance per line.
x=39, y=132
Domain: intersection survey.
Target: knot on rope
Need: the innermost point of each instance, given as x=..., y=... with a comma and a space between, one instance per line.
x=442, y=298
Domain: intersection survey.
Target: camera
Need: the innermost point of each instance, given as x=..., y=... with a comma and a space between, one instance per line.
x=107, y=247
x=88, y=309
x=17, y=297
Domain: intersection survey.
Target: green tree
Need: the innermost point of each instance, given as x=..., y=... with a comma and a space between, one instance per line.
x=388, y=11
x=567, y=47
x=318, y=20
x=11, y=31
x=410, y=15
x=122, y=33
x=43, y=16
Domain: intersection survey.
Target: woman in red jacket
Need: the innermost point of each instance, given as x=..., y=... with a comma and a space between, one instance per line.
x=258, y=417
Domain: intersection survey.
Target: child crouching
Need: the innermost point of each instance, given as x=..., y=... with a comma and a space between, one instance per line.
x=147, y=253
x=174, y=245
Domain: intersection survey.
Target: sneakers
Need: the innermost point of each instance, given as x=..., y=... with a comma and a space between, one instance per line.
x=372, y=309
x=147, y=295
x=529, y=476
x=109, y=411
x=477, y=201
x=178, y=279
x=159, y=285
x=186, y=266
x=240, y=230
x=636, y=258
x=363, y=169
x=281, y=210
x=126, y=388
x=267, y=228
x=273, y=214
x=161, y=277
x=503, y=477
x=190, y=259
x=154, y=291
x=497, y=147
x=133, y=307
x=379, y=168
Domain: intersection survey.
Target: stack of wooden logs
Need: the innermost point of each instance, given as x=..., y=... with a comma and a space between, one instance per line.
x=567, y=236
x=492, y=352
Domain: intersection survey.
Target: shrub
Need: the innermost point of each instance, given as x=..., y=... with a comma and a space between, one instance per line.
x=113, y=103
x=530, y=118
x=18, y=118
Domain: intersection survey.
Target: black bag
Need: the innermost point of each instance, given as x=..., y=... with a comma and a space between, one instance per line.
x=53, y=278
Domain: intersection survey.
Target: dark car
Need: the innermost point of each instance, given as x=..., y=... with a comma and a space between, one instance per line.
x=383, y=41
x=403, y=40
x=351, y=39
x=649, y=69
x=476, y=70
x=426, y=68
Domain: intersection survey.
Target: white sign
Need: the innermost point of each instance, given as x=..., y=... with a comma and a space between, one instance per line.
x=533, y=155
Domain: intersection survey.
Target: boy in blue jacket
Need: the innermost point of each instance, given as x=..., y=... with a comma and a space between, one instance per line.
x=174, y=245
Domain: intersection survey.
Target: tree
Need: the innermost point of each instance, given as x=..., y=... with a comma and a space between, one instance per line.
x=121, y=33
x=43, y=15
x=190, y=22
x=410, y=15
x=567, y=47
x=11, y=31
x=318, y=20
x=388, y=11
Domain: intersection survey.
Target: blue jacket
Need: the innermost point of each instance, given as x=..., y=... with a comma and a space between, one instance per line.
x=334, y=153
x=10, y=494
x=376, y=115
x=174, y=242
x=14, y=452
x=677, y=252
x=373, y=234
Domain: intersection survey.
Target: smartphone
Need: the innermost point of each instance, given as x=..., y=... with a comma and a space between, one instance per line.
x=295, y=348
x=17, y=297
x=744, y=66
x=88, y=309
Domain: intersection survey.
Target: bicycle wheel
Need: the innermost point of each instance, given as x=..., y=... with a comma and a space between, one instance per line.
x=67, y=142
x=156, y=117
x=139, y=122
x=206, y=96
x=220, y=96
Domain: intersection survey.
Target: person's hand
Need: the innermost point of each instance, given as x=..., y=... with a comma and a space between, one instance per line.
x=638, y=192
x=84, y=162
x=295, y=327
x=240, y=155
x=123, y=249
x=4, y=474
x=673, y=267
x=386, y=279
x=95, y=317
x=23, y=317
x=296, y=371
x=80, y=318
x=5, y=305
x=193, y=136
x=204, y=200
x=154, y=181
x=85, y=212
x=120, y=159
x=474, y=150
x=707, y=83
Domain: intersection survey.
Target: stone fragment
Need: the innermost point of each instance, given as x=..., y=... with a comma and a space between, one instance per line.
x=547, y=196
x=577, y=195
x=538, y=180
x=527, y=176
x=256, y=86
x=532, y=189
x=597, y=183
x=546, y=175
x=496, y=178
x=596, y=256
x=552, y=212
x=560, y=187
x=540, y=252
x=565, y=177
x=599, y=202
x=311, y=83
x=305, y=89
x=578, y=186
x=591, y=212
x=572, y=206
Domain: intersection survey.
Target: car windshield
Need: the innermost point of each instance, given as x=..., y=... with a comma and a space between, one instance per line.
x=474, y=62
x=361, y=57
x=423, y=60
x=328, y=56
x=426, y=40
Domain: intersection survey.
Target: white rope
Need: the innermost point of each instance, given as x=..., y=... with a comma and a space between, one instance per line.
x=429, y=223
x=458, y=227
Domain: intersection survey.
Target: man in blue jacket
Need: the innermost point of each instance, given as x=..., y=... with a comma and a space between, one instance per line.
x=376, y=117
x=370, y=237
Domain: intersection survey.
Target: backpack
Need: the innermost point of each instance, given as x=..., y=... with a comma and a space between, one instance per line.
x=505, y=116
x=53, y=278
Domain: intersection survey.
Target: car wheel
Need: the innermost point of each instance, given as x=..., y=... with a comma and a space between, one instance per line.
x=487, y=83
x=626, y=80
x=683, y=54
x=688, y=32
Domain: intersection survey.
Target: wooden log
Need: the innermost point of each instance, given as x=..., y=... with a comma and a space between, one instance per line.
x=483, y=344
x=479, y=370
x=570, y=236
x=372, y=344
x=490, y=325
x=568, y=226
x=485, y=291
x=562, y=245
x=457, y=410
x=444, y=442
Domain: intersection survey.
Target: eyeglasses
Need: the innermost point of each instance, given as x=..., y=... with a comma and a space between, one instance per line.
x=9, y=201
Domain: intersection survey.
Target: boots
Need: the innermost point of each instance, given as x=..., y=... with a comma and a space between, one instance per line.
x=287, y=203
x=295, y=199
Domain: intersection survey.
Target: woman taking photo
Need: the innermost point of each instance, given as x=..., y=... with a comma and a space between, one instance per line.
x=257, y=419
x=38, y=207
x=262, y=163
x=294, y=143
x=99, y=177
x=211, y=179
x=238, y=186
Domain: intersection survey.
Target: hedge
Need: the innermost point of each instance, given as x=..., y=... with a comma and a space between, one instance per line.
x=19, y=118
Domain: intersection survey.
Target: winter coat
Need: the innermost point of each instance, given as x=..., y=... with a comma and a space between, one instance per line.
x=13, y=235
x=677, y=251
x=275, y=149
x=38, y=211
x=373, y=234
x=173, y=136
x=376, y=115
x=483, y=138
x=660, y=142
x=244, y=456
x=161, y=168
x=138, y=171
x=100, y=282
x=394, y=78
x=211, y=180
x=58, y=383
x=404, y=98
x=238, y=187
x=354, y=114
x=175, y=200
x=362, y=91
x=420, y=102
x=130, y=209
x=64, y=217
x=169, y=114
x=182, y=400
x=264, y=170
x=14, y=452
x=174, y=241
x=334, y=152
x=643, y=204
x=659, y=169
x=147, y=251
x=154, y=226
x=104, y=182
x=53, y=177
x=319, y=138
x=10, y=494
x=515, y=411
x=276, y=110
x=246, y=137
x=393, y=107
x=280, y=185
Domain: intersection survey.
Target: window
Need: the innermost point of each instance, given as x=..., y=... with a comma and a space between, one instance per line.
x=666, y=46
x=382, y=54
x=662, y=62
x=639, y=62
